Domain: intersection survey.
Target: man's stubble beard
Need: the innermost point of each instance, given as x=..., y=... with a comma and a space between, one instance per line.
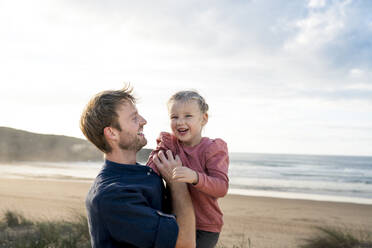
x=132, y=143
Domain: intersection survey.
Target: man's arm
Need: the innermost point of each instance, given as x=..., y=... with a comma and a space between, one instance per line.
x=181, y=201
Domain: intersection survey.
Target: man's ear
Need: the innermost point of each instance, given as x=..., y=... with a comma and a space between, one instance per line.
x=110, y=134
x=205, y=119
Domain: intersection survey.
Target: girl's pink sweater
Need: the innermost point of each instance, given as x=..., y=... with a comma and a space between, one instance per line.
x=210, y=160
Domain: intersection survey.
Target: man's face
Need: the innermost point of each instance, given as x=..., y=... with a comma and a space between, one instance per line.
x=131, y=123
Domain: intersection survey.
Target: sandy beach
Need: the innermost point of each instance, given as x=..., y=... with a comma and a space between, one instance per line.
x=266, y=222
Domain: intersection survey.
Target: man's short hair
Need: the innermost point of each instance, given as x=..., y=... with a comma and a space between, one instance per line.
x=100, y=112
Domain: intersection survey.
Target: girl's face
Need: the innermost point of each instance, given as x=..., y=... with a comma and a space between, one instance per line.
x=187, y=121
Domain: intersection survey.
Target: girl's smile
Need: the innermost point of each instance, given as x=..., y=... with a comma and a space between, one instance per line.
x=187, y=121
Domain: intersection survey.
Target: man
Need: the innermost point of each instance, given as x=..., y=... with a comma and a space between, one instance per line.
x=126, y=201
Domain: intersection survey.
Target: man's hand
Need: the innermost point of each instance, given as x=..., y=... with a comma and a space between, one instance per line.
x=181, y=201
x=185, y=175
x=166, y=165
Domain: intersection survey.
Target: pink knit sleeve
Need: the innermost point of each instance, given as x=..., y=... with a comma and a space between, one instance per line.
x=215, y=181
x=164, y=142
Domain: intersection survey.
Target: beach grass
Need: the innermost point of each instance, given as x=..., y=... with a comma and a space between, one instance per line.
x=332, y=237
x=18, y=232
x=244, y=242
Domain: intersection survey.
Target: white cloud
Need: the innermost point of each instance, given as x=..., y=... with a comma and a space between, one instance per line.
x=316, y=3
x=360, y=86
x=356, y=73
x=318, y=28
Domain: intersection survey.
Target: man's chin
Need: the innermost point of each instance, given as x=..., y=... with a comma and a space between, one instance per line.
x=141, y=144
x=144, y=141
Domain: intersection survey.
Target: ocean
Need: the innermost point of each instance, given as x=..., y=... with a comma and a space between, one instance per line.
x=316, y=177
x=313, y=177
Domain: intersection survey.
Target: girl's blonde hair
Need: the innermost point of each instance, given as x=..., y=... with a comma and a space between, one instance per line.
x=188, y=95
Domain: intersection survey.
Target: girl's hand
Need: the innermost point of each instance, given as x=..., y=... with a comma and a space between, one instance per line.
x=185, y=175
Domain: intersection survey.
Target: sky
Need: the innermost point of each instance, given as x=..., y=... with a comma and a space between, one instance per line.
x=279, y=76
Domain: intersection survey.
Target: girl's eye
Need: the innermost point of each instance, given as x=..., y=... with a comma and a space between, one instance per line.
x=188, y=116
x=173, y=117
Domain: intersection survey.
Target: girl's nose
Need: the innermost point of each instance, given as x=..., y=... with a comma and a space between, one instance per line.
x=180, y=121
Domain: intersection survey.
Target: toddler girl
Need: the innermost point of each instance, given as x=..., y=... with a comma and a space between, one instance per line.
x=205, y=162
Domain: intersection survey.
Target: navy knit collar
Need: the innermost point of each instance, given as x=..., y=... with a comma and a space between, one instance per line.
x=127, y=167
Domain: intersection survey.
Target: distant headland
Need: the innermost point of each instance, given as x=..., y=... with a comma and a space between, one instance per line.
x=18, y=145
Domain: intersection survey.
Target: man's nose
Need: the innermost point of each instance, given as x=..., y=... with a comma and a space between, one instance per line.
x=143, y=120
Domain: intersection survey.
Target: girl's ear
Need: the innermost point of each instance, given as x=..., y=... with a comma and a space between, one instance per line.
x=205, y=119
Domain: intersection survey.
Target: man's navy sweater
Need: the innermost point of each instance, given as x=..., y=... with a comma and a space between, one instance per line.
x=125, y=208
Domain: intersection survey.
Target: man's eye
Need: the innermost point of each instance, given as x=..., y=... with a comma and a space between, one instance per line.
x=173, y=117
x=188, y=116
